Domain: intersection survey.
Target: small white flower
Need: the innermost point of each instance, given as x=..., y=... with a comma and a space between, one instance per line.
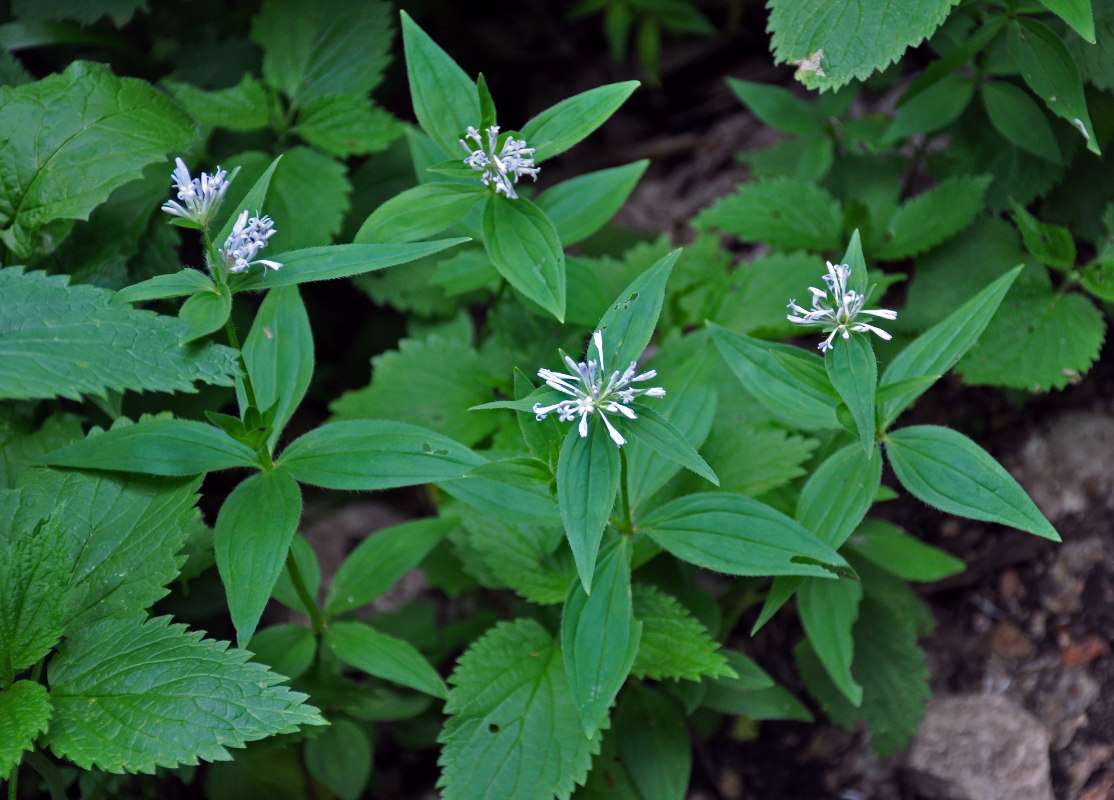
x=201, y=195
x=838, y=309
x=513, y=160
x=592, y=395
x=248, y=237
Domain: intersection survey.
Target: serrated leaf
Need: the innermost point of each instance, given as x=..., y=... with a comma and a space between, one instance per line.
x=336, y=47
x=562, y=125
x=172, y=447
x=513, y=730
x=340, y=758
x=525, y=558
x=63, y=158
x=123, y=536
x=751, y=460
x=895, y=551
x=582, y=205
x=674, y=643
x=383, y=656
x=24, y=714
x=58, y=339
x=524, y=247
x=343, y=125
x=446, y=374
x=932, y=217
x=847, y=40
x=381, y=559
x=444, y=97
x=1048, y=340
x=1015, y=115
x=947, y=470
x=132, y=695
x=745, y=302
x=737, y=535
x=375, y=454
x=889, y=665
x=653, y=742
x=1048, y=68
x=119, y=11
x=243, y=107
x=786, y=213
x=828, y=610
x=251, y=540
x=599, y=638
x=587, y=483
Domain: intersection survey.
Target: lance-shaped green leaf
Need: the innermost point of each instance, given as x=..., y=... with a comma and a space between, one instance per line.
x=205, y=312
x=760, y=370
x=375, y=454
x=525, y=248
x=381, y=559
x=337, y=261
x=176, y=284
x=1048, y=68
x=35, y=593
x=828, y=612
x=1051, y=244
x=947, y=470
x=738, y=535
x=63, y=158
x=132, y=695
x=340, y=758
x=629, y=322
x=24, y=714
x=838, y=494
x=251, y=539
x=383, y=656
x=937, y=350
x=895, y=551
x=69, y=340
x=444, y=97
x=1016, y=115
x=778, y=107
x=853, y=371
x=587, y=483
x=561, y=126
x=1076, y=13
x=419, y=212
x=513, y=730
x=159, y=447
x=599, y=638
x=653, y=741
x=278, y=353
x=659, y=434
x=582, y=205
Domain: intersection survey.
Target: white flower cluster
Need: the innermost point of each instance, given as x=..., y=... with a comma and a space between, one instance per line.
x=200, y=195
x=248, y=237
x=591, y=395
x=838, y=308
x=513, y=160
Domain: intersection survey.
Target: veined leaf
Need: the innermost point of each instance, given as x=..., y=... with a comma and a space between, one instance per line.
x=778, y=107
x=525, y=248
x=1015, y=114
x=654, y=744
x=243, y=107
x=674, y=643
x=288, y=649
x=22, y=446
x=69, y=340
x=786, y=213
x=383, y=656
x=1076, y=13
x=62, y=159
x=343, y=125
x=132, y=695
x=949, y=471
x=839, y=492
x=513, y=730
x=24, y=714
x=587, y=482
x=444, y=97
x=828, y=611
x=561, y=126
x=933, y=217
x=582, y=205
x=853, y=371
x=176, y=284
x=895, y=551
x=659, y=434
x=629, y=322
x=340, y=758
x=526, y=558
x=420, y=212
x=375, y=454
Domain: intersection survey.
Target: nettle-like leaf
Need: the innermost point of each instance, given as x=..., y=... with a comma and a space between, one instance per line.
x=447, y=376
x=123, y=534
x=343, y=125
x=243, y=107
x=132, y=695
x=58, y=339
x=754, y=460
x=744, y=302
x=932, y=217
x=513, y=729
x=336, y=47
x=788, y=213
x=525, y=558
x=890, y=667
x=24, y=714
x=61, y=158
x=20, y=446
x=119, y=11
x=675, y=644
x=837, y=42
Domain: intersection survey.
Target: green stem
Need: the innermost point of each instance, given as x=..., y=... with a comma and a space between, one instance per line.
x=300, y=587
x=43, y=765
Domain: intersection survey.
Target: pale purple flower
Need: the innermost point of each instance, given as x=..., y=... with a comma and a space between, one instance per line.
x=593, y=392
x=503, y=168
x=838, y=308
x=200, y=196
x=248, y=237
